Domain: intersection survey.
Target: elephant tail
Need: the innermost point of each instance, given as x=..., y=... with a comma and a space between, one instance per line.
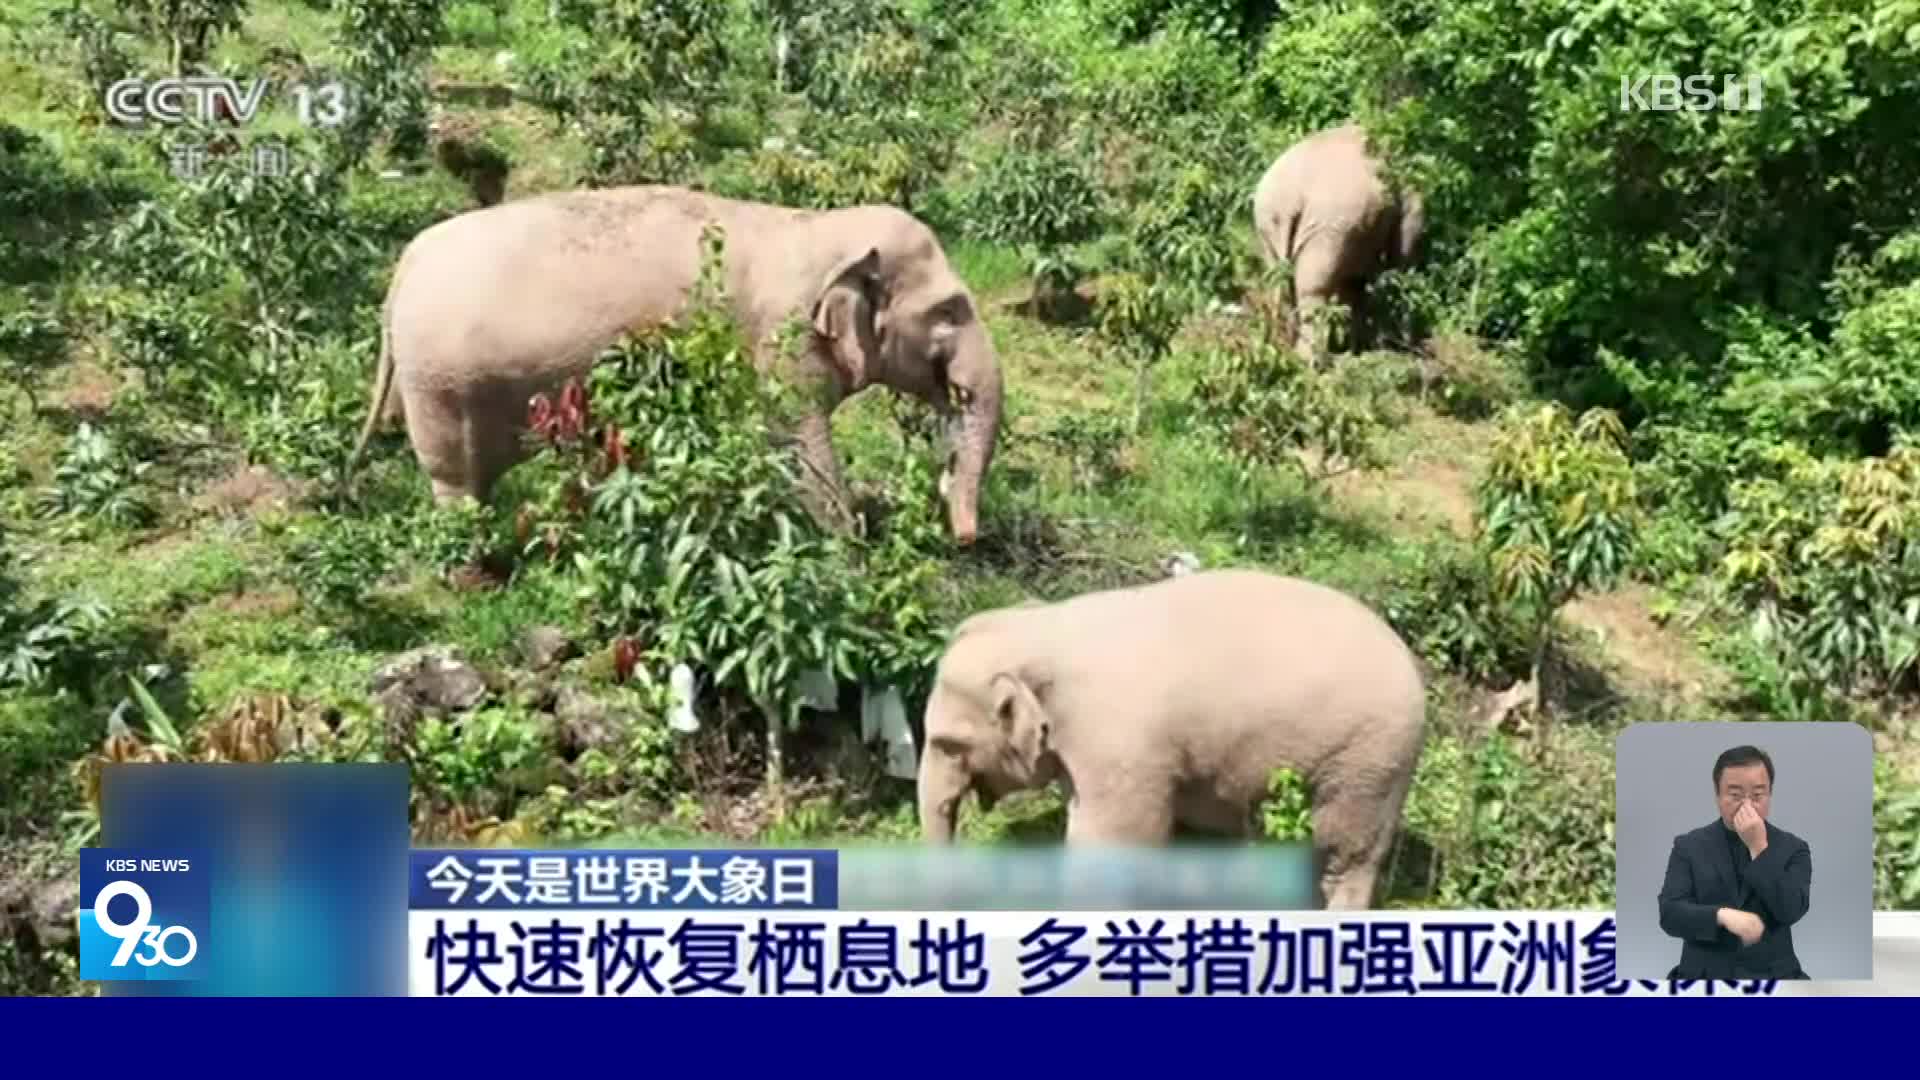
x=1283, y=243
x=382, y=388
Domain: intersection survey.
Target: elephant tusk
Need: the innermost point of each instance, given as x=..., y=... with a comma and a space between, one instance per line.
x=946, y=483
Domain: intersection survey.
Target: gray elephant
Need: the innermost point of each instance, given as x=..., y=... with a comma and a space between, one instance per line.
x=494, y=305
x=1174, y=702
x=1324, y=205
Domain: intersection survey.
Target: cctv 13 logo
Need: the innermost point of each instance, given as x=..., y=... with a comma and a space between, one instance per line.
x=145, y=914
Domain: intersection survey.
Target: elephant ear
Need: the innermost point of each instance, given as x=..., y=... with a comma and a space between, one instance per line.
x=1023, y=720
x=843, y=317
x=943, y=321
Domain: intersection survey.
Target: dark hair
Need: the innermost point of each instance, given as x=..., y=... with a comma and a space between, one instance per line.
x=1741, y=755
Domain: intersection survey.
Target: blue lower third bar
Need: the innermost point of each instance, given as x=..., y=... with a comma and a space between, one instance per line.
x=670, y=879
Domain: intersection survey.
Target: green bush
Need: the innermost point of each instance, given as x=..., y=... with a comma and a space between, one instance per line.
x=693, y=543
x=1820, y=555
x=1491, y=842
x=1896, y=836
x=1269, y=408
x=1443, y=601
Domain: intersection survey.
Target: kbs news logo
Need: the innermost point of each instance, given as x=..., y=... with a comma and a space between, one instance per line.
x=1662, y=93
x=144, y=915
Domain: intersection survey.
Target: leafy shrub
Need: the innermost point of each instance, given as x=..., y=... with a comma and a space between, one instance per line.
x=1133, y=20
x=1180, y=72
x=387, y=43
x=1494, y=844
x=51, y=644
x=1141, y=315
x=1093, y=442
x=241, y=300
x=237, y=264
x=473, y=24
x=31, y=339
x=1557, y=512
x=1896, y=835
x=1820, y=555
x=1270, y=408
x=1032, y=192
x=1601, y=230
x=188, y=26
x=1443, y=601
x=1847, y=394
x=333, y=561
x=640, y=77
x=97, y=484
x=1189, y=232
x=694, y=543
x=470, y=760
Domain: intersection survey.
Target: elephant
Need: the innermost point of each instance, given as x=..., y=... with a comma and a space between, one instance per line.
x=1172, y=703
x=1324, y=205
x=494, y=305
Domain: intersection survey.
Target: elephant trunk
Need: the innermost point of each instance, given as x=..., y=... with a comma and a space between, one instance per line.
x=975, y=430
x=943, y=782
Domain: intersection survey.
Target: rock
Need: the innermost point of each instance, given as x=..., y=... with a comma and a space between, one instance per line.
x=546, y=647
x=436, y=677
x=36, y=922
x=539, y=692
x=39, y=919
x=583, y=722
x=253, y=490
x=398, y=714
x=1180, y=563
x=1515, y=701
x=55, y=910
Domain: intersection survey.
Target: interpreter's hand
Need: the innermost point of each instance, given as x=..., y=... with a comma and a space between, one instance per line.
x=1744, y=925
x=1752, y=830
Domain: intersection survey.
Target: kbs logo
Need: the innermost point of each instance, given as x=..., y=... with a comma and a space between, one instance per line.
x=144, y=915
x=1663, y=93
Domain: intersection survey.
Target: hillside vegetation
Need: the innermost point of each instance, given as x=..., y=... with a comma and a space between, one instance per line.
x=1635, y=446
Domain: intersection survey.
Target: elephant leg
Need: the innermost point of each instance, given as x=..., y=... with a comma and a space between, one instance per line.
x=1353, y=294
x=823, y=487
x=500, y=439
x=1214, y=816
x=1132, y=817
x=1316, y=281
x=437, y=430
x=1353, y=829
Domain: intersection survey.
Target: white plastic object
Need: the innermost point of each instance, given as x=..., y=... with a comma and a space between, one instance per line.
x=682, y=717
x=884, y=714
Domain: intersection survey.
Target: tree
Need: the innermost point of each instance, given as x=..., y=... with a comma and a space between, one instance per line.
x=1556, y=514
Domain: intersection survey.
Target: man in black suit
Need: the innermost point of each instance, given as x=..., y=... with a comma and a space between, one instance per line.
x=1735, y=887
